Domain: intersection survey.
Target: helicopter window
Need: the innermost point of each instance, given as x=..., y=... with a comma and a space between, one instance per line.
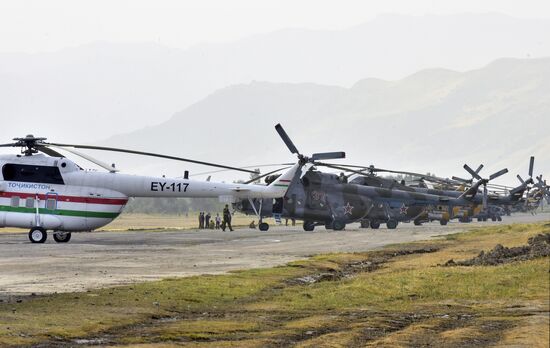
x=30, y=173
x=15, y=201
x=63, y=165
x=51, y=204
x=29, y=202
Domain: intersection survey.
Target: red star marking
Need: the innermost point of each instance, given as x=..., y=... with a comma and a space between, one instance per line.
x=403, y=209
x=348, y=208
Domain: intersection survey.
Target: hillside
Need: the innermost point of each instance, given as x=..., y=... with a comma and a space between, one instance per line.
x=432, y=120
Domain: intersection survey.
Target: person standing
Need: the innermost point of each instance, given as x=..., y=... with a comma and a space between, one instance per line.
x=207, y=220
x=201, y=220
x=218, y=221
x=226, y=219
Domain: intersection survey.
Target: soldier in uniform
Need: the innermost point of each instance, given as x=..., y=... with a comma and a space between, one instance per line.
x=226, y=219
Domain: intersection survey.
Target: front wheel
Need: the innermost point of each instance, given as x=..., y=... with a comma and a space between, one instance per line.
x=309, y=226
x=364, y=223
x=38, y=235
x=391, y=224
x=442, y=222
x=374, y=224
x=338, y=225
x=264, y=226
x=62, y=237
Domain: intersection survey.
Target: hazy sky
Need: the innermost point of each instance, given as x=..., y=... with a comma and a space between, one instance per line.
x=36, y=25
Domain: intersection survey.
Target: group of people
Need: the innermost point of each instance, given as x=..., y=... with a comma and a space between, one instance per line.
x=207, y=222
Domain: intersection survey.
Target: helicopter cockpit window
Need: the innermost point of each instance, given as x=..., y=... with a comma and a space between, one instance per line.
x=32, y=173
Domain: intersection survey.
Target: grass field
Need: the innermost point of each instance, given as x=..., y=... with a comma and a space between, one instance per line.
x=398, y=296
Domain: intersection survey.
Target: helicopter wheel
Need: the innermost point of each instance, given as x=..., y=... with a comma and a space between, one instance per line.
x=499, y=218
x=443, y=222
x=493, y=218
x=479, y=219
x=391, y=224
x=338, y=225
x=365, y=223
x=38, y=235
x=264, y=226
x=374, y=224
x=417, y=223
x=309, y=226
x=62, y=237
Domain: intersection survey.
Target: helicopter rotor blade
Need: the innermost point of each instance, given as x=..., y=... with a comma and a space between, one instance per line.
x=499, y=173
x=328, y=155
x=334, y=166
x=244, y=167
x=95, y=161
x=531, y=164
x=48, y=151
x=286, y=139
x=151, y=154
x=264, y=175
x=465, y=181
x=479, y=168
x=520, y=179
x=472, y=172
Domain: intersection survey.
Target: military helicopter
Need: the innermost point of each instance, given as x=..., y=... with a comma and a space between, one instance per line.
x=481, y=206
x=328, y=199
x=52, y=192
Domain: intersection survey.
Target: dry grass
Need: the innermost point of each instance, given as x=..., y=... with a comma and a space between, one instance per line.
x=408, y=301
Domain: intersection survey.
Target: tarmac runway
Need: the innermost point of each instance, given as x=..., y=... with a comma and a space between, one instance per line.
x=92, y=260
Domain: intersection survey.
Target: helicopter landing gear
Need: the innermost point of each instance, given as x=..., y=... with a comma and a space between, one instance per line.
x=309, y=226
x=38, y=235
x=365, y=223
x=338, y=225
x=417, y=223
x=443, y=222
x=263, y=226
x=62, y=237
x=374, y=224
x=391, y=224
x=499, y=218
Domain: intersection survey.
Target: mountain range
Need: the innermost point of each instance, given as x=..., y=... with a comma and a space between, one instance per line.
x=434, y=120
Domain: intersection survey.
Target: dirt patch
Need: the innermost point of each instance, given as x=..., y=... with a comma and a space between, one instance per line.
x=537, y=246
x=374, y=262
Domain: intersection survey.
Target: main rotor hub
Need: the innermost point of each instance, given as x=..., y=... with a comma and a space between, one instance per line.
x=29, y=144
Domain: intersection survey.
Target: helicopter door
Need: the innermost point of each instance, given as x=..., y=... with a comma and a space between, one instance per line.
x=278, y=206
x=51, y=201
